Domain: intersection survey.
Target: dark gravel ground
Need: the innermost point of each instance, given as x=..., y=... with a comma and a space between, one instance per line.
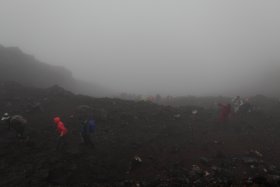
x=176, y=148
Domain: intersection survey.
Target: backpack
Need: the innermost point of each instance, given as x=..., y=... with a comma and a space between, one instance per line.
x=91, y=126
x=18, y=123
x=18, y=119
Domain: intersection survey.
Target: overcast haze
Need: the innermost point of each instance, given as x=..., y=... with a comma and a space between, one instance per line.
x=149, y=46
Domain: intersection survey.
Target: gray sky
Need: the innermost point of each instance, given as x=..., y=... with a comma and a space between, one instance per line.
x=149, y=46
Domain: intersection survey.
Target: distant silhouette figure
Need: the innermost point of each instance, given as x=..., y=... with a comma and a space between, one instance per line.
x=224, y=112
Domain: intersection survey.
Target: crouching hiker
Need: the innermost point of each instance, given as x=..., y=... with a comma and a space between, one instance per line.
x=87, y=129
x=18, y=123
x=62, y=131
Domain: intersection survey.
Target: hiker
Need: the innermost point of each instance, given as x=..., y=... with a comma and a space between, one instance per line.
x=135, y=163
x=158, y=98
x=224, y=112
x=62, y=131
x=18, y=123
x=237, y=103
x=246, y=107
x=6, y=120
x=87, y=129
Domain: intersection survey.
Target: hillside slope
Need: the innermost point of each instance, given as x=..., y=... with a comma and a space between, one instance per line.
x=25, y=69
x=177, y=149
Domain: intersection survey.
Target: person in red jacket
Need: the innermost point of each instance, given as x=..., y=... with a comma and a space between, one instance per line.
x=61, y=130
x=224, y=112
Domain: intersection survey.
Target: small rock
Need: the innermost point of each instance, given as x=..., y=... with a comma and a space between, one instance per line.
x=196, y=172
x=216, y=169
x=216, y=142
x=249, y=180
x=249, y=160
x=177, y=116
x=206, y=173
x=256, y=153
x=194, y=112
x=138, y=159
x=204, y=160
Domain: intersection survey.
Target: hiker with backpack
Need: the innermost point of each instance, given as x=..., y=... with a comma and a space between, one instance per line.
x=62, y=131
x=87, y=129
x=18, y=123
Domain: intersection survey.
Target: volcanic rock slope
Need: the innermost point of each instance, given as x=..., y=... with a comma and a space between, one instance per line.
x=176, y=148
x=15, y=65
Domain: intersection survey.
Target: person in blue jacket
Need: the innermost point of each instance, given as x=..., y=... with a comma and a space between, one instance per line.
x=87, y=129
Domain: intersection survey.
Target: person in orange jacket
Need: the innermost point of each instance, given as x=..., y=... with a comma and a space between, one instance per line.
x=61, y=130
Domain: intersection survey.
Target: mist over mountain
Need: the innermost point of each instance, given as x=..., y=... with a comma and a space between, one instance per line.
x=148, y=47
x=268, y=83
x=17, y=66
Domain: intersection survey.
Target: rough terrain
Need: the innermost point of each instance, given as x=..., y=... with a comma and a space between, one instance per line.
x=176, y=147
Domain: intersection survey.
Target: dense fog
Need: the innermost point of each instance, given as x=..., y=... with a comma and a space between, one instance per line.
x=171, y=47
